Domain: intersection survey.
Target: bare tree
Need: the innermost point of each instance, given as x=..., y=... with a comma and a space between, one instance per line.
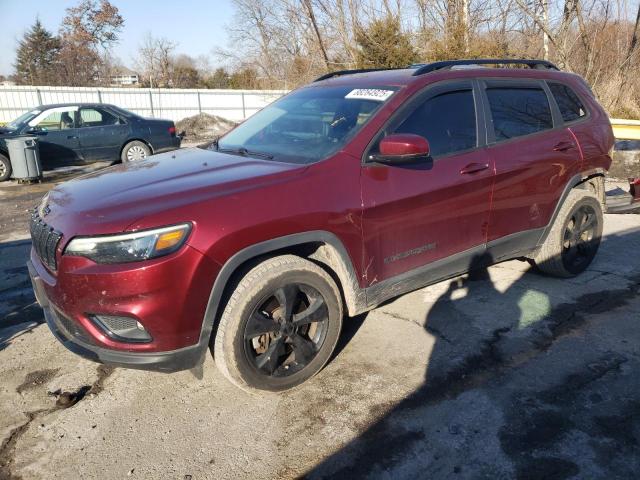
x=154, y=60
x=288, y=42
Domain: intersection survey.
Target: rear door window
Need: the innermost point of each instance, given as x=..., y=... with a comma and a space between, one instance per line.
x=96, y=117
x=517, y=111
x=568, y=102
x=447, y=120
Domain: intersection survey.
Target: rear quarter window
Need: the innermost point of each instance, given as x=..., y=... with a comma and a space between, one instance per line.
x=568, y=102
x=518, y=111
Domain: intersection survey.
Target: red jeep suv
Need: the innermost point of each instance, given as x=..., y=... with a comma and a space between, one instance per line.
x=355, y=189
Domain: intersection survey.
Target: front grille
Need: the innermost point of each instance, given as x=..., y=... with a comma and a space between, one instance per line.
x=45, y=241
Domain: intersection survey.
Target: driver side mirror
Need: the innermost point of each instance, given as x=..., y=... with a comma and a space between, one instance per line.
x=37, y=130
x=402, y=148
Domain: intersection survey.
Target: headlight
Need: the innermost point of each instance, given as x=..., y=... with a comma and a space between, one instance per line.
x=130, y=247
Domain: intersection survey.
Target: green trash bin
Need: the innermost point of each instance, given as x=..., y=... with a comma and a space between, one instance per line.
x=24, y=154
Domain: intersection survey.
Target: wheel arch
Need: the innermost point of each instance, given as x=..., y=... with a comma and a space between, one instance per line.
x=321, y=247
x=595, y=183
x=592, y=180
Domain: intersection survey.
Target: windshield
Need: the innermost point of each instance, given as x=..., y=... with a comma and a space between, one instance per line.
x=22, y=119
x=307, y=125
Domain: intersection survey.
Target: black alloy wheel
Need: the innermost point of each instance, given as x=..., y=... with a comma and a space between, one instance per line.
x=579, y=241
x=286, y=330
x=280, y=324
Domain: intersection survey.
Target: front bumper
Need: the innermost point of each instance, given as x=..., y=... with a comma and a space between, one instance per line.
x=77, y=340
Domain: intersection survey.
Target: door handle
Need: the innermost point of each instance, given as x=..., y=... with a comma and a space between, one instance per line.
x=71, y=137
x=474, y=167
x=563, y=146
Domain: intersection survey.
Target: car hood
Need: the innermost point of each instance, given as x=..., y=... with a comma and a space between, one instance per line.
x=111, y=199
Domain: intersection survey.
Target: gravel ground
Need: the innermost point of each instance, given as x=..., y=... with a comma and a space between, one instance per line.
x=507, y=374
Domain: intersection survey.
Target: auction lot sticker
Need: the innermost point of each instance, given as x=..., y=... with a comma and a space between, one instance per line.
x=376, y=94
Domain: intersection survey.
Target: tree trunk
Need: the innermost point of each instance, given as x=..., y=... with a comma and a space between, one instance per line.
x=312, y=17
x=465, y=25
x=634, y=38
x=545, y=35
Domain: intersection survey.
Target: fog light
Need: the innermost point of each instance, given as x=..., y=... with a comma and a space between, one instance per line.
x=122, y=329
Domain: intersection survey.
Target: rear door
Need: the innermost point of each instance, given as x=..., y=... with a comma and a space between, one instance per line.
x=534, y=156
x=102, y=133
x=418, y=213
x=586, y=120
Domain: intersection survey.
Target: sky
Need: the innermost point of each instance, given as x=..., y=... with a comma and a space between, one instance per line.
x=197, y=25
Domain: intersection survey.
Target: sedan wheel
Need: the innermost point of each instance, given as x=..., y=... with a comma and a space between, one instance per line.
x=136, y=153
x=5, y=168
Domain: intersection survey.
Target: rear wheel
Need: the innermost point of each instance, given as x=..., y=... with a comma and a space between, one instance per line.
x=5, y=168
x=135, y=150
x=280, y=325
x=574, y=239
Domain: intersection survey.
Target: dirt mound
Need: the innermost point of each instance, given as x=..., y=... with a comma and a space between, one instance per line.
x=204, y=127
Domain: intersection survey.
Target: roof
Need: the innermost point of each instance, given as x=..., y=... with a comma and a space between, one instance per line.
x=75, y=104
x=117, y=71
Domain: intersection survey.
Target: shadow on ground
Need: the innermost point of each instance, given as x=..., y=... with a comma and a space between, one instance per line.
x=19, y=312
x=521, y=383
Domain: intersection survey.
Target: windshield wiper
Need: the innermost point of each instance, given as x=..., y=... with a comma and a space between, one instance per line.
x=244, y=152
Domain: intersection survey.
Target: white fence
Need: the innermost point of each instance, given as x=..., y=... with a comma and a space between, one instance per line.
x=173, y=104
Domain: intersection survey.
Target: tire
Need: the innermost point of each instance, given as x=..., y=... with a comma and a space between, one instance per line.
x=135, y=150
x=244, y=351
x=566, y=251
x=5, y=168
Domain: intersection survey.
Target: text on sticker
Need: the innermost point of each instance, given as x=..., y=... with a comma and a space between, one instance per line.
x=370, y=94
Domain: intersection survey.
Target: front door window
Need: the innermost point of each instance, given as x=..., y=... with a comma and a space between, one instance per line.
x=62, y=118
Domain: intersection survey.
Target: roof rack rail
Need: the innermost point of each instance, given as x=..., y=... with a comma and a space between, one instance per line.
x=339, y=73
x=421, y=69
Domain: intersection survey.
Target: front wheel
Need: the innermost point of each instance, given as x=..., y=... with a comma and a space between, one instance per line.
x=574, y=238
x=280, y=325
x=5, y=168
x=135, y=150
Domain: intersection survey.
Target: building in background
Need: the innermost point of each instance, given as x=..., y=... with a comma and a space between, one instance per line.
x=124, y=77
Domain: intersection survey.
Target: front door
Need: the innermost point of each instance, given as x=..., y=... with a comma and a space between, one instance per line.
x=57, y=136
x=416, y=214
x=101, y=133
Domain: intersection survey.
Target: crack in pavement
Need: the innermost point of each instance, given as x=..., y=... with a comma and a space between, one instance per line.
x=8, y=446
x=399, y=317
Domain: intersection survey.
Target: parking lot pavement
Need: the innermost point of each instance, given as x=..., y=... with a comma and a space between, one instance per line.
x=504, y=374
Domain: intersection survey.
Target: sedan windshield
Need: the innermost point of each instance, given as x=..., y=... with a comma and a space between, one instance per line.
x=22, y=120
x=307, y=125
